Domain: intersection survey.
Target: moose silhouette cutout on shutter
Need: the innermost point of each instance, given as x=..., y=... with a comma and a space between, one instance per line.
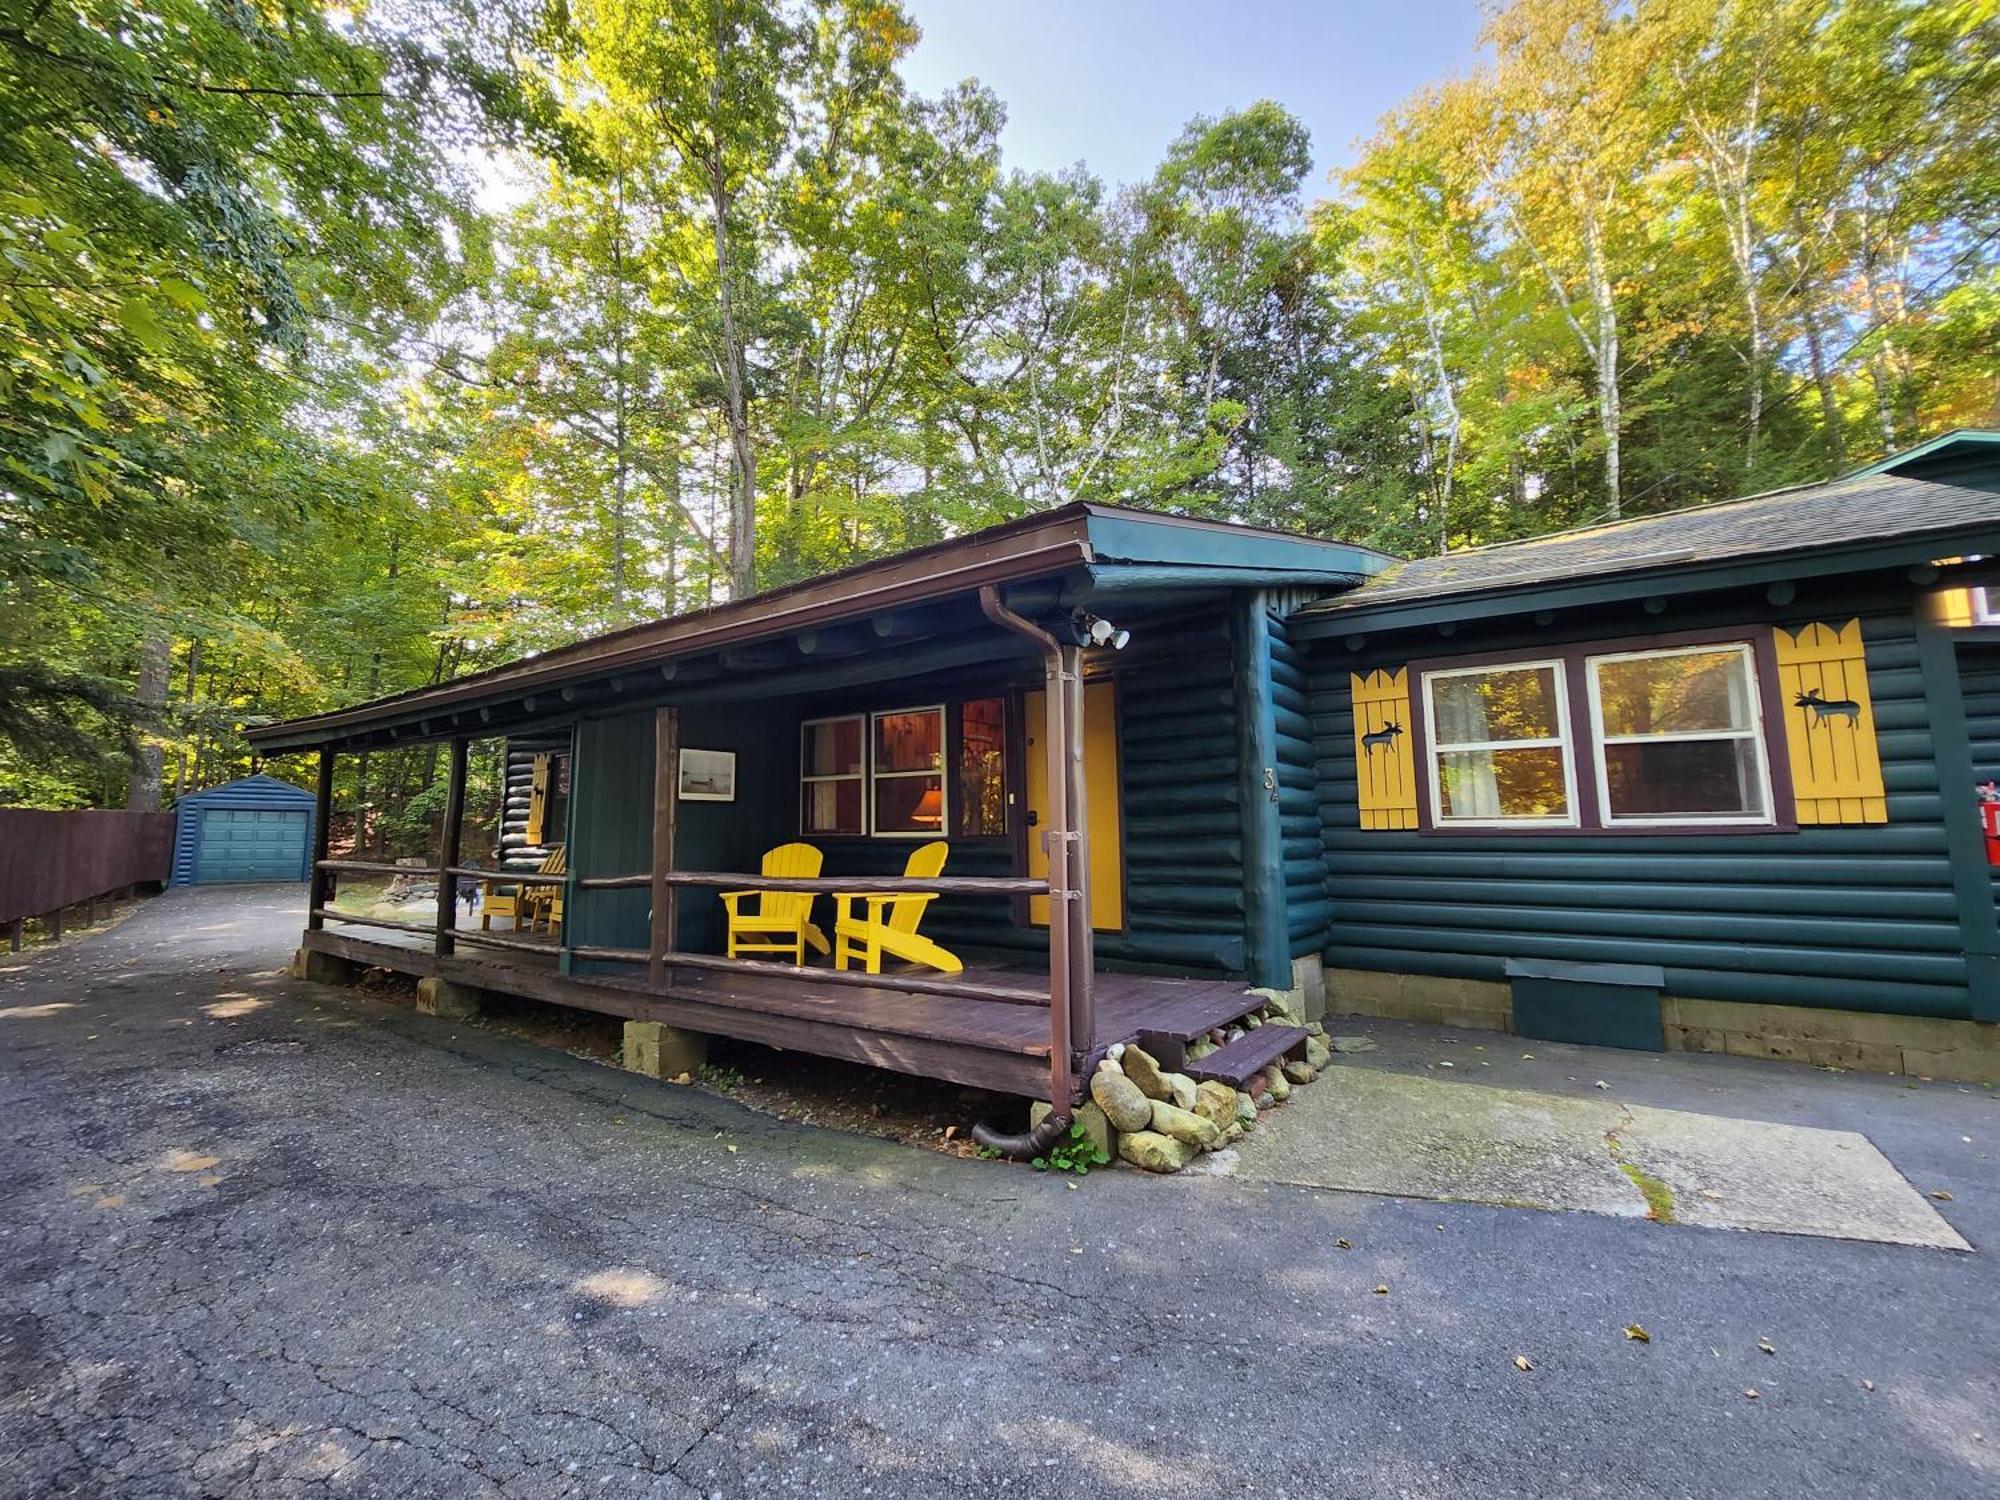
x=1830, y=724
x=1383, y=761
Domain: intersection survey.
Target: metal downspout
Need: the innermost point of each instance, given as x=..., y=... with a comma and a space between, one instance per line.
x=1056, y=738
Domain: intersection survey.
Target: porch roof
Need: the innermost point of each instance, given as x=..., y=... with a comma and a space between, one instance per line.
x=1047, y=563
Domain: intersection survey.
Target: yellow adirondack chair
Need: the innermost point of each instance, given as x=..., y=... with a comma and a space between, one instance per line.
x=889, y=924
x=544, y=903
x=777, y=921
x=520, y=898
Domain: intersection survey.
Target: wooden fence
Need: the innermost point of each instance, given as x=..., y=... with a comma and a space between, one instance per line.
x=50, y=861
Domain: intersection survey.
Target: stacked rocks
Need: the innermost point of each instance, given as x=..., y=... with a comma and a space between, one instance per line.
x=1160, y=1120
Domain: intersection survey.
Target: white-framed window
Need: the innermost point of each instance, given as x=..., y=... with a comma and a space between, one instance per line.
x=833, y=776
x=1498, y=740
x=1677, y=736
x=1983, y=611
x=907, y=792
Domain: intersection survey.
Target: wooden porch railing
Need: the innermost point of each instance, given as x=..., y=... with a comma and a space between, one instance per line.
x=1069, y=995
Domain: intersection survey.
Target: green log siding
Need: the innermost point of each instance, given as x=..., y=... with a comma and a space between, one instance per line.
x=1184, y=899
x=1183, y=821
x=1848, y=917
x=1183, y=833
x=1979, y=673
x=515, y=851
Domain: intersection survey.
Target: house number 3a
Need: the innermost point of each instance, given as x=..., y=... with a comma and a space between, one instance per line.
x=1271, y=782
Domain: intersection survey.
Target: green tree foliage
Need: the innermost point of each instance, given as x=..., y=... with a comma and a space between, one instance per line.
x=347, y=352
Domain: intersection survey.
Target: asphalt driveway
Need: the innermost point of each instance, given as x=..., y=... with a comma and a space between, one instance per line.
x=265, y=1238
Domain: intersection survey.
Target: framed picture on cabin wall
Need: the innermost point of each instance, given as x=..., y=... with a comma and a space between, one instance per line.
x=708, y=776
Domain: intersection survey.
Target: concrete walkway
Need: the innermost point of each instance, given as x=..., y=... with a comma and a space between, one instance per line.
x=266, y=1239
x=1380, y=1131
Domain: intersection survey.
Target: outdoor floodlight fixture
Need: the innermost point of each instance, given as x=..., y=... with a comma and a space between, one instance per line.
x=1093, y=630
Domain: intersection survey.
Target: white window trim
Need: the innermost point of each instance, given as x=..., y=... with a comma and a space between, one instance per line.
x=876, y=775
x=1754, y=732
x=1563, y=742
x=806, y=728
x=1983, y=612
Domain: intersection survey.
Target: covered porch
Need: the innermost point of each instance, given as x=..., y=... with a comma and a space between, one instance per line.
x=1104, y=807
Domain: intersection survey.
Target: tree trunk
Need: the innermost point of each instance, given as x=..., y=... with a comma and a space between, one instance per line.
x=156, y=661
x=1604, y=355
x=187, y=708
x=622, y=472
x=743, y=456
x=1822, y=378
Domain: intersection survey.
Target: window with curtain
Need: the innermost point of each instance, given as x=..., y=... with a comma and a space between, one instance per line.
x=831, y=779
x=907, y=780
x=1677, y=736
x=981, y=792
x=1499, y=745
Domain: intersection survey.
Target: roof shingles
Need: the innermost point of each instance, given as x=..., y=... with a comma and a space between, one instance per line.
x=1844, y=512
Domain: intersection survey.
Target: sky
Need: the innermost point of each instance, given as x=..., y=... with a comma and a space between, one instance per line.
x=1111, y=82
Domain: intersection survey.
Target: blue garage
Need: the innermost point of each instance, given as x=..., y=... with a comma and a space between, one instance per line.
x=259, y=828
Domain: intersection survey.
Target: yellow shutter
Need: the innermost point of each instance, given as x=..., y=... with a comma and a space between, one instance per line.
x=1383, y=760
x=1953, y=607
x=538, y=797
x=1830, y=725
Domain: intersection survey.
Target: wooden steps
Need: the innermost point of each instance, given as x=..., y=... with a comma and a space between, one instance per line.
x=1235, y=1061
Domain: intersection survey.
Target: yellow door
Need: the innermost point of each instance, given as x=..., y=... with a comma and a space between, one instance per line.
x=1100, y=790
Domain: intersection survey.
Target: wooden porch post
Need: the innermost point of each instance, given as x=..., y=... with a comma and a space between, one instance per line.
x=666, y=818
x=1082, y=942
x=454, y=822
x=322, y=835
x=1058, y=672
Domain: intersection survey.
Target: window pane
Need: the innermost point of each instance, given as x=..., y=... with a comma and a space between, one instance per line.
x=1680, y=694
x=910, y=741
x=909, y=804
x=833, y=748
x=830, y=807
x=1684, y=778
x=1518, y=703
x=1502, y=783
x=982, y=768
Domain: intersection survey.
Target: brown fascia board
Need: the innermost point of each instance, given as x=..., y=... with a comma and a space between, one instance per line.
x=1051, y=542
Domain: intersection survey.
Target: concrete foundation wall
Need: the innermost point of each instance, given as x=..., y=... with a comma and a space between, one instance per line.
x=1920, y=1046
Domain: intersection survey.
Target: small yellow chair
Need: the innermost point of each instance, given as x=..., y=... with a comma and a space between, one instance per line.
x=778, y=921
x=544, y=903
x=521, y=897
x=890, y=925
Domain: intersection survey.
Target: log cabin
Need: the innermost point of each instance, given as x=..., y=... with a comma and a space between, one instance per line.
x=1703, y=779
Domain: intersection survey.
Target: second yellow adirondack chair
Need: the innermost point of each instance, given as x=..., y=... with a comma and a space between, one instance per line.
x=521, y=896
x=544, y=903
x=777, y=922
x=889, y=924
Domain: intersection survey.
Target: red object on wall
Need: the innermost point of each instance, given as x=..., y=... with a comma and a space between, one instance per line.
x=1989, y=821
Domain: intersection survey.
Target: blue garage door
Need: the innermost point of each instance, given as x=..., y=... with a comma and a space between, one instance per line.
x=241, y=843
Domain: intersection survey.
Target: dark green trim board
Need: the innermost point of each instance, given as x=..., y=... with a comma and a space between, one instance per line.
x=1971, y=877
x=1264, y=929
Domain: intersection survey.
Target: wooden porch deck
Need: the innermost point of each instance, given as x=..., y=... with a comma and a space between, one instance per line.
x=983, y=1043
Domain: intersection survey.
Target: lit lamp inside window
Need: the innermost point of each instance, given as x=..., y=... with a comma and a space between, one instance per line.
x=929, y=811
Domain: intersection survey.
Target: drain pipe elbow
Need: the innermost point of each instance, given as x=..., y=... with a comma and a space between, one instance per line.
x=1027, y=1145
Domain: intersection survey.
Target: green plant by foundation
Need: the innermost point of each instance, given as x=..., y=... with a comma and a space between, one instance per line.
x=1075, y=1153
